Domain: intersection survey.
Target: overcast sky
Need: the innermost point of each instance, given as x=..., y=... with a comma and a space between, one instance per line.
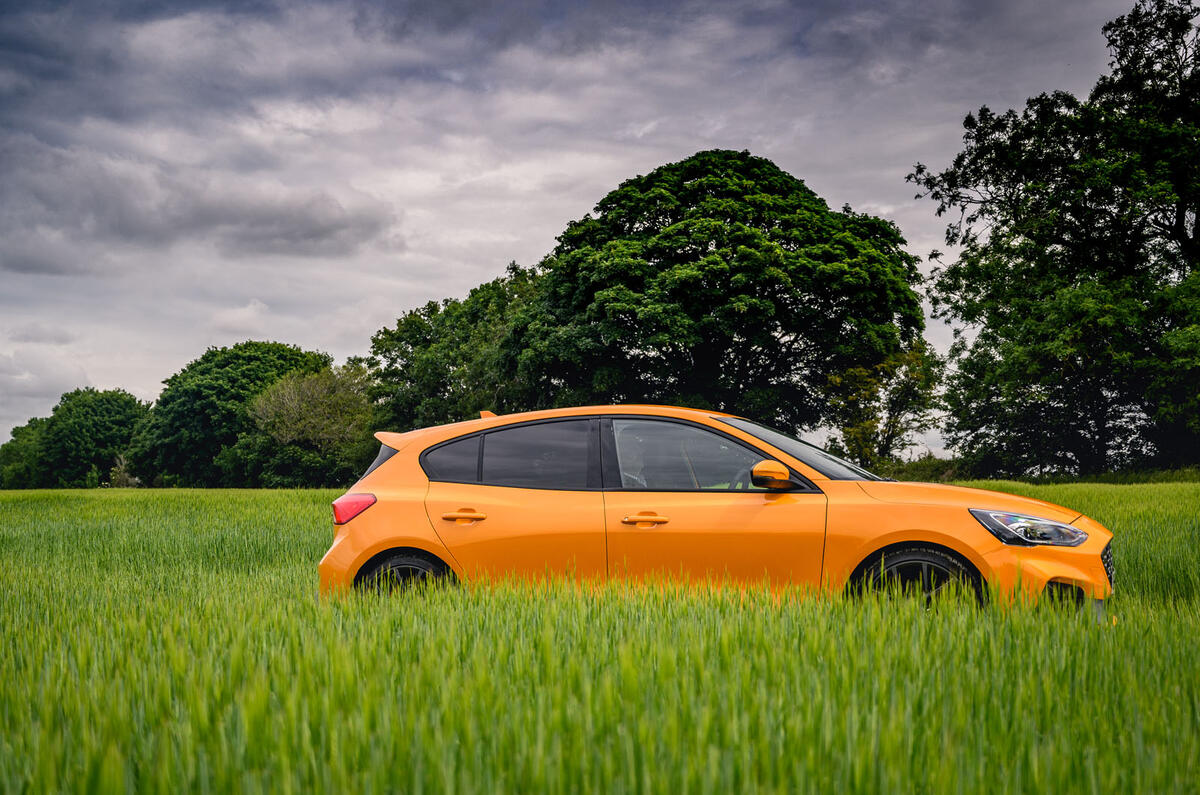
x=180, y=175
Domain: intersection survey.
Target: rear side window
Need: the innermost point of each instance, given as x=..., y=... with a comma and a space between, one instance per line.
x=548, y=455
x=456, y=461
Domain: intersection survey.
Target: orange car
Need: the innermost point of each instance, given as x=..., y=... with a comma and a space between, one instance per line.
x=629, y=491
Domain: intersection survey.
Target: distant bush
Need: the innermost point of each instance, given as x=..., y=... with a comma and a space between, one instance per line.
x=926, y=469
x=1184, y=475
x=931, y=469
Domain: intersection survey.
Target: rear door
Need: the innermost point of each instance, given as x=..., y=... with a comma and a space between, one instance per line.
x=521, y=500
x=679, y=502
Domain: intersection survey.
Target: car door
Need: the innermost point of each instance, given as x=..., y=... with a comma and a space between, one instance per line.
x=521, y=500
x=679, y=502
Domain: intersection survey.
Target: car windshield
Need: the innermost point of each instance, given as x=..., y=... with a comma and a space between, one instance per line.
x=824, y=462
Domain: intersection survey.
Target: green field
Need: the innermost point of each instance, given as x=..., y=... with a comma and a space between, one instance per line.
x=170, y=641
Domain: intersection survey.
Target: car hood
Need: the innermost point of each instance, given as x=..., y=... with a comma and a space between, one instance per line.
x=941, y=494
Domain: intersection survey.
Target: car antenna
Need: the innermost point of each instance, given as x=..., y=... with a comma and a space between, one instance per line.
x=483, y=415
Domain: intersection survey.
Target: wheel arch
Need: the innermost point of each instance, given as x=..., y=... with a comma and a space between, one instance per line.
x=372, y=562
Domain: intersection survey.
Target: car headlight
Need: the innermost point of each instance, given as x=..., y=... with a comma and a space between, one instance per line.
x=1028, y=531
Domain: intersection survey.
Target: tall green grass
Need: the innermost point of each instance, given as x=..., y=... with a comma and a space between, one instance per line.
x=171, y=641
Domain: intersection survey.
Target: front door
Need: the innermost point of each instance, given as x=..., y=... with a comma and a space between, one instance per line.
x=684, y=506
x=523, y=500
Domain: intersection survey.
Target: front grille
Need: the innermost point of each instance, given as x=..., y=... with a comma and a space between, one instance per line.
x=1106, y=557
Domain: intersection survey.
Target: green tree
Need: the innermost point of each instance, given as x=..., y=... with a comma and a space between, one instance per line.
x=719, y=281
x=881, y=408
x=311, y=429
x=85, y=434
x=1077, y=274
x=22, y=465
x=205, y=407
x=445, y=361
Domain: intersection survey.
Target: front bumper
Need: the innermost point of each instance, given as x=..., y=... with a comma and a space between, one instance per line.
x=1028, y=570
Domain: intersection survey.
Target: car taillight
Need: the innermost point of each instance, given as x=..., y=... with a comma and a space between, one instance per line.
x=348, y=506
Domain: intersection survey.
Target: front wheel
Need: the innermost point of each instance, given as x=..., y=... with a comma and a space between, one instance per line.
x=926, y=573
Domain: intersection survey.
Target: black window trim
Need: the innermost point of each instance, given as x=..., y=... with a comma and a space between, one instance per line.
x=594, y=478
x=602, y=456
x=608, y=458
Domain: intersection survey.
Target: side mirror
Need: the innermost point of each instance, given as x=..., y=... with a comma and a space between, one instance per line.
x=770, y=474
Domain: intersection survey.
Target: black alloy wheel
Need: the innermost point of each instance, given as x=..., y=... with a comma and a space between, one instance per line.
x=928, y=574
x=402, y=571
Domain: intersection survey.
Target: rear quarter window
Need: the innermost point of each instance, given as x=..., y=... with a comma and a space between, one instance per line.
x=457, y=461
x=385, y=453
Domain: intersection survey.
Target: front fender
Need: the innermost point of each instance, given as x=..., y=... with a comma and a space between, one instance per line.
x=859, y=526
x=855, y=556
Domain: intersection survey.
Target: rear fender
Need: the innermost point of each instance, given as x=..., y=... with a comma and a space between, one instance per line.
x=397, y=520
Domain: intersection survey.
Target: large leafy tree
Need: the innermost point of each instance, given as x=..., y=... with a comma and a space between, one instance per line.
x=85, y=434
x=77, y=445
x=444, y=361
x=882, y=407
x=1077, y=222
x=22, y=465
x=719, y=281
x=205, y=407
x=311, y=429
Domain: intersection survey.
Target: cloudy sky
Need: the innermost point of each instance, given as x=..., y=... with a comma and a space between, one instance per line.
x=180, y=175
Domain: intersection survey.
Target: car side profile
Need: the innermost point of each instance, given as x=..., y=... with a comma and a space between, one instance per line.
x=609, y=492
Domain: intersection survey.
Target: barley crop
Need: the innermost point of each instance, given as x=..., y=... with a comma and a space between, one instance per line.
x=168, y=641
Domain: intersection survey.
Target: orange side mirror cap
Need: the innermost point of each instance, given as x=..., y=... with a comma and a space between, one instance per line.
x=771, y=474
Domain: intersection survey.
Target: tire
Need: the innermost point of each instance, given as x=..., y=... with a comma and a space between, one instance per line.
x=402, y=571
x=922, y=572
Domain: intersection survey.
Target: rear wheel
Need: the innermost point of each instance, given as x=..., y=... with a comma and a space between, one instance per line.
x=928, y=574
x=402, y=571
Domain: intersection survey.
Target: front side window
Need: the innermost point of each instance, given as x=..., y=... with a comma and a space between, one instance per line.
x=548, y=455
x=669, y=456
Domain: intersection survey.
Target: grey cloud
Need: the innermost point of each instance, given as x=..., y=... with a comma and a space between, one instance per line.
x=308, y=226
x=25, y=251
x=31, y=383
x=113, y=63
x=81, y=194
x=247, y=320
x=69, y=62
x=121, y=129
x=561, y=26
x=40, y=333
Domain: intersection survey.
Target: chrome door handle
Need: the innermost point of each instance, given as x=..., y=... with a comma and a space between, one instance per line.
x=648, y=518
x=464, y=515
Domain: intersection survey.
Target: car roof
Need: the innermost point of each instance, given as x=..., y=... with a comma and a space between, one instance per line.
x=398, y=440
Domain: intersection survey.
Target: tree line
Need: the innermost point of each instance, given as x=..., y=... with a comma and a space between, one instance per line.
x=724, y=282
